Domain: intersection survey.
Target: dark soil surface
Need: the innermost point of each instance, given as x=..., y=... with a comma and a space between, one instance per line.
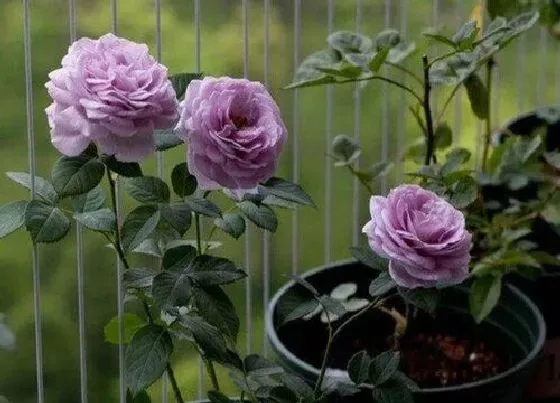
x=451, y=350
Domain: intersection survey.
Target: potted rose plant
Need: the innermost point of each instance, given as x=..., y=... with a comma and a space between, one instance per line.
x=423, y=311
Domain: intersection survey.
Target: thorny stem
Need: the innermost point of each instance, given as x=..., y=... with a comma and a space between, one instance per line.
x=488, y=134
x=430, y=138
x=120, y=252
x=207, y=362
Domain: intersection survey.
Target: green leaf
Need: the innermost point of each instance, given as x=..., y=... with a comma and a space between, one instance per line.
x=139, y=225
x=91, y=201
x=147, y=356
x=4, y=400
x=43, y=189
x=466, y=34
x=286, y=190
x=307, y=74
x=383, y=367
x=281, y=394
x=366, y=256
x=76, y=175
x=203, y=206
x=166, y=139
x=350, y=42
x=141, y=397
x=294, y=305
x=12, y=217
x=553, y=158
x=209, y=270
x=484, y=296
x=379, y=58
x=502, y=8
x=147, y=189
x=45, y=223
x=232, y=224
x=126, y=169
x=173, y=287
x=407, y=383
x=434, y=34
x=426, y=299
x=103, y=220
x=299, y=386
x=332, y=305
x=381, y=285
x=387, y=39
x=454, y=159
x=345, y=150
x=401, y=52
x=131, y=322
x=305, y=284
x=464, y=192
x=358, y=367
x=177, y=215
x=184, y=183
x=210, y=340
x=478, y=96
x=139, y=277
x=181, y=81
x=258, y=366
x=393, y=391
x=443, y=136
x=214, y=306
x=260, y=214
x=218, y=397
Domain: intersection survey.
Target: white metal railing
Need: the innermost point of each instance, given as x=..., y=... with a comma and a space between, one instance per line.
x=252, y=238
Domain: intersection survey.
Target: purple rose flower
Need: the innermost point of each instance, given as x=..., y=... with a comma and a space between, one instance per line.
x=422, y=235
x=234, y=132
x=111, y=92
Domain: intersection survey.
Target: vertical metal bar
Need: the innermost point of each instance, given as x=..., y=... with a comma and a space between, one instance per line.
x=385, y=106
x=38, y=318
x=328, y=142
x=357, y=131
x=79, y=256
x=435, y=22
x=120, y=268
x=557, y=72
x=266, y=234
x=457, y=106
x=248, y=282
x=295, y=134
x=197, y=68
x=160, y=164
x=402, y=112
x=541, y=77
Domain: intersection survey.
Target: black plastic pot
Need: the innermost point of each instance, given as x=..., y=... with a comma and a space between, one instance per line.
x=516, y=325
x=544, y=291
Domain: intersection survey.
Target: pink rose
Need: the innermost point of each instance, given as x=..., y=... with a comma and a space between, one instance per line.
x=234, y=132
x=422, y=235
x=109, y=91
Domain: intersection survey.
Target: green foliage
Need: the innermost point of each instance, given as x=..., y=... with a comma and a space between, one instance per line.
x=147, y=356
x=147, y=189
x=126, y=169
x=345, y=150
x=484, y=296
x=203, y=206
x=426, y=299
x=43, y=189
x=231, y=223
x=73, y=176
x=103, y=220
x=365, y=255
x=478, y=96
x=181, y=81
x=139, y=225
x=45, y=223
x=260, y=214
x=381, y=285
x=12, y=217
x=286, y=190
x=184, y=183
x=131, y=324
x=7, y=338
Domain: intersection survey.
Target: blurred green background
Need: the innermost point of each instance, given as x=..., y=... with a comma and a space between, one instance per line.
x=528, y=75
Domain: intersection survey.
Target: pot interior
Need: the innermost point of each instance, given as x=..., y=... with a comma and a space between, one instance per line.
x=512, y=331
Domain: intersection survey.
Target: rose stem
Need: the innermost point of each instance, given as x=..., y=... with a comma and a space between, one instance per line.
x=332, y=336
x=207, y=363
x=430, y=135
x=118, y=246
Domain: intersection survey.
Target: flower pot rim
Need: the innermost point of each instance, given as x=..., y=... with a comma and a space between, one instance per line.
x=342, y=375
